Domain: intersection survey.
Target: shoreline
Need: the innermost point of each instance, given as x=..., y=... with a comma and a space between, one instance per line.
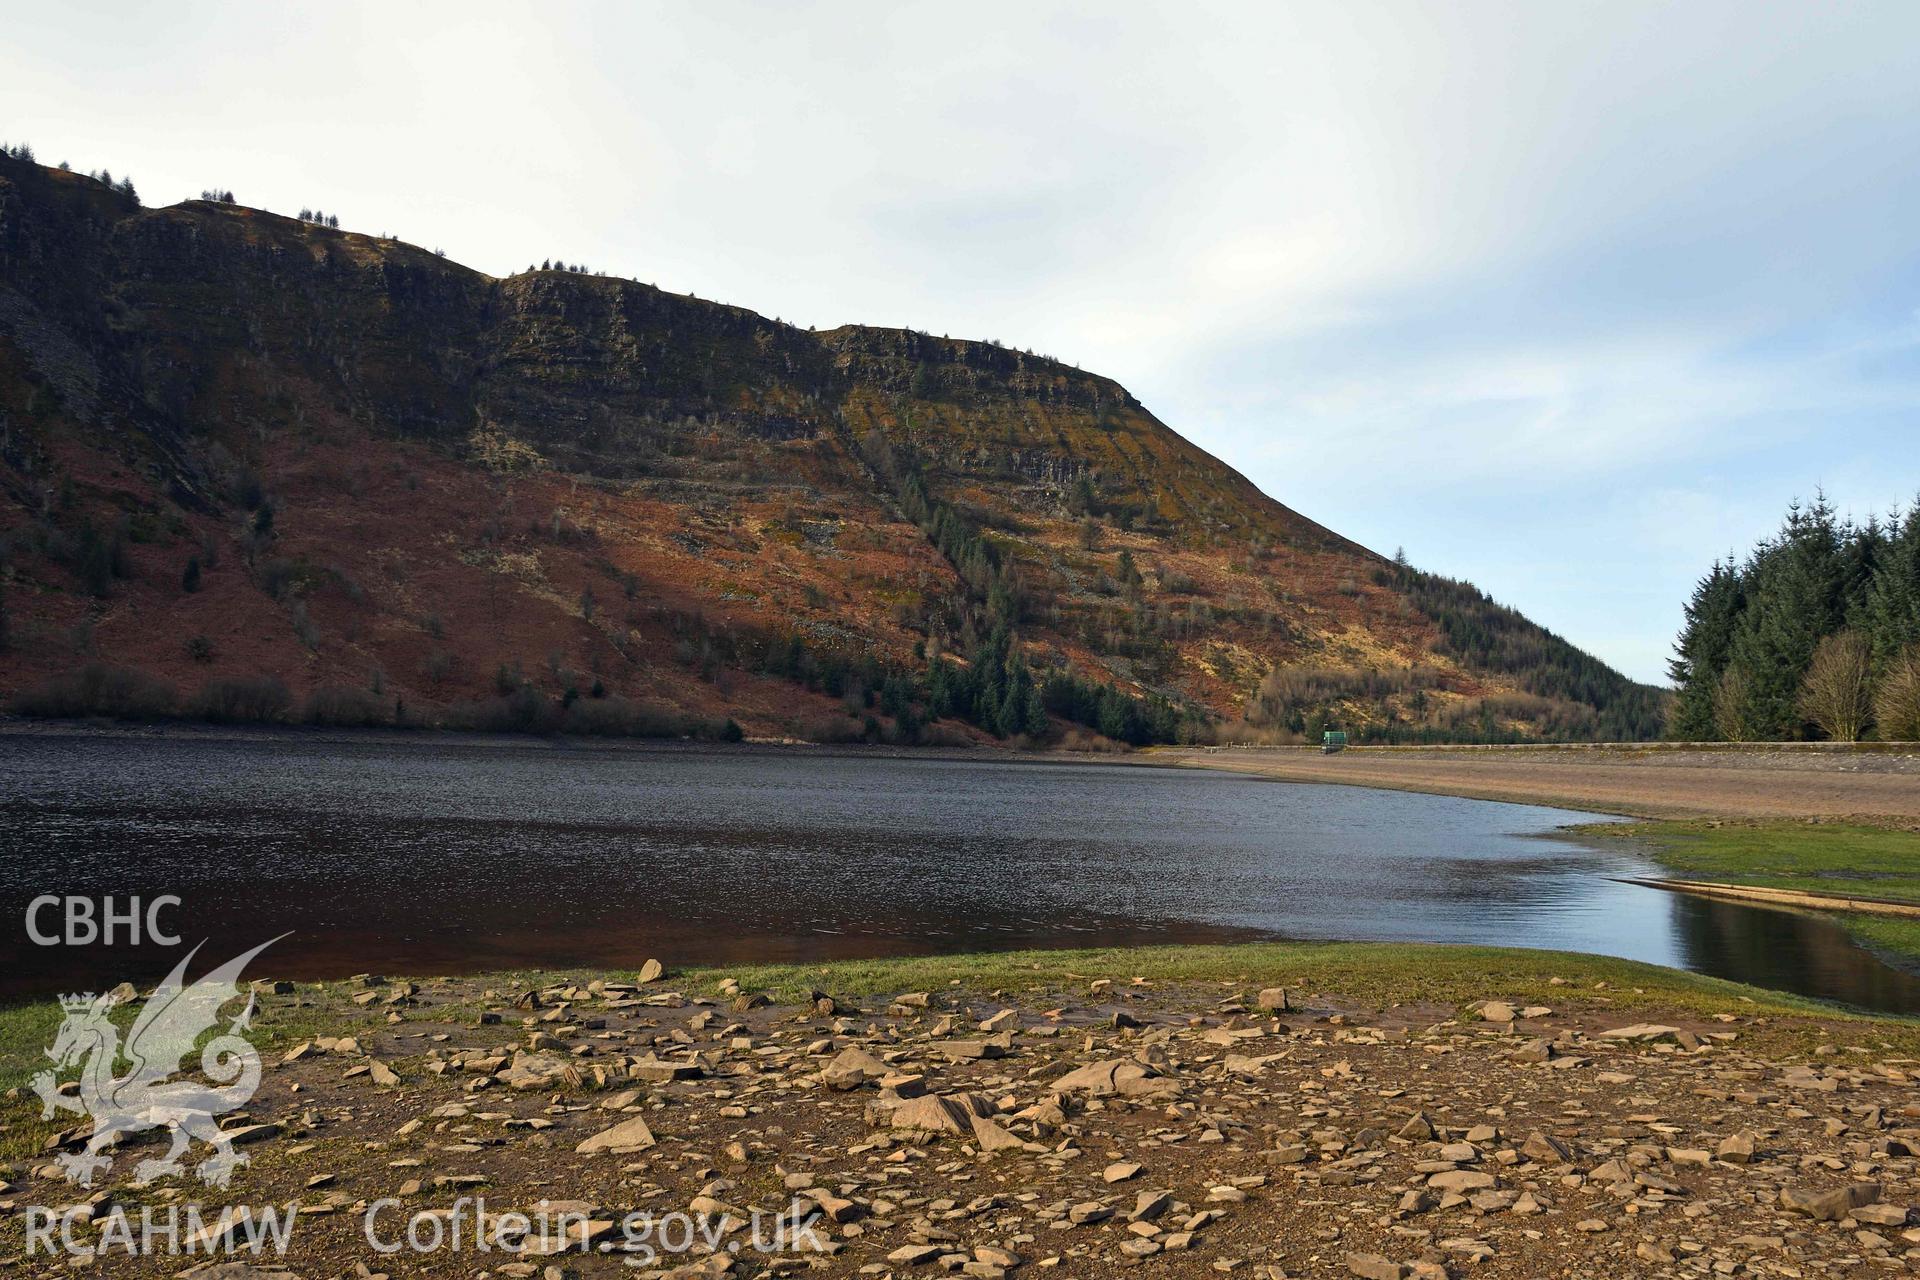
x=1762, y=895
x=1533, y=776
x=1379, y=976
x=1811, y=780
x=1878, y=785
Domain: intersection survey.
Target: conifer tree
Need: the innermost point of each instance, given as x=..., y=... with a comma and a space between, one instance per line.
x=1035, y=720
x=1890, y=610
x=1703, y=649
x=1743, y=658
x=1795, y=598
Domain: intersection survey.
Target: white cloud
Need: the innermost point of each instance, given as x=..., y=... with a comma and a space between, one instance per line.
x=1419, y=269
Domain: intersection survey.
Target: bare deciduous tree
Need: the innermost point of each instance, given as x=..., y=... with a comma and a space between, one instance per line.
x=1896, y=708
x=1730, y=705
x=1837, y=693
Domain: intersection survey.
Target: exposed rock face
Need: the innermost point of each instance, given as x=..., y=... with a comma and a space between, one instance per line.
x=202, y=312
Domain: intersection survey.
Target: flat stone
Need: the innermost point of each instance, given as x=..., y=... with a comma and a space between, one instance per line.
x=1640, y=1031
x=1371, y=1266
x=1149, y=1205
x=659, y=1071
x=913, y=1255
x=990, y=1137
x=1124, y=1077
x=628, y=1136
x=904, y=1084
x=1882, y=1215
x=1736, y=1148
x=930, y=1114
x=1462, y=1180
x=1544, y=1148
x=1830, y=1206
x=853, y=1068
x=1610, y=1171
x=1417, y=1201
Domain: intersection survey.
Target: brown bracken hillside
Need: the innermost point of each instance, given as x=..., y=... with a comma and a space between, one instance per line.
x=257, y=467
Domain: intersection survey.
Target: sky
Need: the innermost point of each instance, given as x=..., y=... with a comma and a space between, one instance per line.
x=1568, y=299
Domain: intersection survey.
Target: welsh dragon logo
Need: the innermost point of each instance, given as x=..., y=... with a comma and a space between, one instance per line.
x=144, y=1096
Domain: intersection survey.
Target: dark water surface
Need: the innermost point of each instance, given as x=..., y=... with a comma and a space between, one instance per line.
x=430, y=856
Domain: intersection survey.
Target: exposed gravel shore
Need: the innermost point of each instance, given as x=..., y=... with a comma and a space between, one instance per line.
x=1184, y=1128
x=1660, y=782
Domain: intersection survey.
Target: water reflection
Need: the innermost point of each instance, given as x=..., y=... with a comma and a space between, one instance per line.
x=1788, y=950
x=424, y=857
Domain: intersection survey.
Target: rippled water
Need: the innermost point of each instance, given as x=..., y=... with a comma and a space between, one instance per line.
x=427, y=856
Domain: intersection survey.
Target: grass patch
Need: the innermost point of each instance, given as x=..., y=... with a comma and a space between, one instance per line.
x=1837, y=858
x=278, y=1023
x=1376, y=975
x=26, y=1031
x=1895, y=938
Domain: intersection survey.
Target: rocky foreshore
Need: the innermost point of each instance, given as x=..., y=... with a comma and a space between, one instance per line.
x=623, y=1128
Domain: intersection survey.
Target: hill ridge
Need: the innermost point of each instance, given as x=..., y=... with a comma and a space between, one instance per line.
x=404, y=478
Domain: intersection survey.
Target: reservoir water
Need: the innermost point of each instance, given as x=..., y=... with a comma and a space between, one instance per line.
x=436, y=856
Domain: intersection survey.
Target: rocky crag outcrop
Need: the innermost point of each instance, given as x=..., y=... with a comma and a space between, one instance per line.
x=239, y=445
